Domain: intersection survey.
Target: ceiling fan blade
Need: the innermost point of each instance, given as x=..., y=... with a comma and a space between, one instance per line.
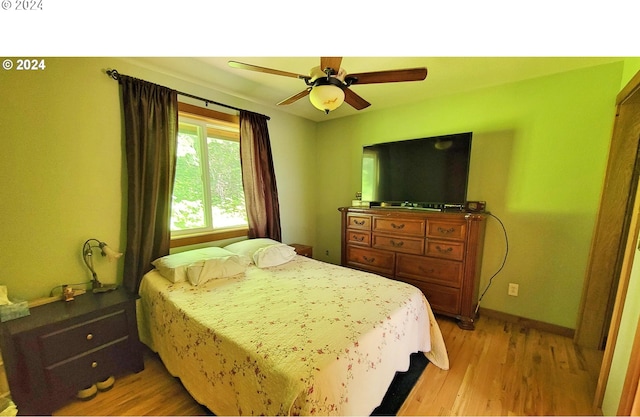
x=331, y=62
x=355, y=100
x=295, y=97
x=250, y=67
x=391, y=76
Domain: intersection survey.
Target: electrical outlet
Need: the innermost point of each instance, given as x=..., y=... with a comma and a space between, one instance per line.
x=326, y=252
x=513, y=289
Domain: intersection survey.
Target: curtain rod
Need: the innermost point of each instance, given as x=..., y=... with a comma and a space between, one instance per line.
x=116, y=76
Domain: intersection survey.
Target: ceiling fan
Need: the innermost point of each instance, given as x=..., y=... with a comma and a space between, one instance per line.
x=328, y=84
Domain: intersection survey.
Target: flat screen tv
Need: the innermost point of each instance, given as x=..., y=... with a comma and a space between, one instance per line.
x=430, y=172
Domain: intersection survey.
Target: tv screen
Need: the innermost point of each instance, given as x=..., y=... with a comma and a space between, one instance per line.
x=426, y=172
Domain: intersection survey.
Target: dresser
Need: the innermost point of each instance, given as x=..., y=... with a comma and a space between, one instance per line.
x=64, y=347
x=438, y=252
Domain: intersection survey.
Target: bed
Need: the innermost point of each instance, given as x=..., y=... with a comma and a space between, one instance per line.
x=300, y=337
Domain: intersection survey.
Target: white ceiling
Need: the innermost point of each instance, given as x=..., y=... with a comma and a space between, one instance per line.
x=446, y=75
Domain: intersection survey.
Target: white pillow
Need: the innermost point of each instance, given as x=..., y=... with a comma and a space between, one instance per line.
x=174, y=267
x=249, y=246
x=264, y=252
x=223, y=267
x=273, y=255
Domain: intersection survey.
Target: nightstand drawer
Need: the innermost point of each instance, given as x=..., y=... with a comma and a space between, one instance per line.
x=84, y=370
x=83, y=337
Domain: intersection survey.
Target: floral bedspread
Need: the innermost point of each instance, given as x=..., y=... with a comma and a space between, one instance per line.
x=306, y=337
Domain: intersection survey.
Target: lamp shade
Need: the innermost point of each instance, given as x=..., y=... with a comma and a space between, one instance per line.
x=326, y=97
x=110, y=253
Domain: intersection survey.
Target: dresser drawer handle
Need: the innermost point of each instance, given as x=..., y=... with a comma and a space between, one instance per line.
x=397, y=244
x=448, y=250
x=94, y=364
x=357, y=238
x=369, y=260
x=397, y=226
x=359, y=223
x=427, y=271
x=89, y=336
x=446, y=231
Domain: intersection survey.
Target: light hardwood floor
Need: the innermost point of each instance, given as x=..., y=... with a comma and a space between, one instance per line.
x=499, y=369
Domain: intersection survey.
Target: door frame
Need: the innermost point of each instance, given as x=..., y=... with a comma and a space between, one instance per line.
x=630, y=397
x=631, y=231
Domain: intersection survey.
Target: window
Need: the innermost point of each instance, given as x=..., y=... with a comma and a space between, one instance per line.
x=208, y=198
x=370, y=178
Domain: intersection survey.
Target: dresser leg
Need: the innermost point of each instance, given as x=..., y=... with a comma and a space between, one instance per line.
x=466, y=323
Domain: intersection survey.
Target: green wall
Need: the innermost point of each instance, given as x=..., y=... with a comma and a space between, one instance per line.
x=538, y=158
x=62, y=169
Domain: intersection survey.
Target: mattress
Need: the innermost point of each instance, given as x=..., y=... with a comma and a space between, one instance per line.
x=305, y=337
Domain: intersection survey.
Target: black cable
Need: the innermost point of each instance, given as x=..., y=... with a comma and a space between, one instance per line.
x=504, y=260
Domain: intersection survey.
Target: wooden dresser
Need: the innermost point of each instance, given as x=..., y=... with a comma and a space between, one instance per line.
x=438, y=252
x=64, y=347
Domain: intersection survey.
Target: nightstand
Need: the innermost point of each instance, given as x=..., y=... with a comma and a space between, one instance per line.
x=304, y=250
x=64, y=347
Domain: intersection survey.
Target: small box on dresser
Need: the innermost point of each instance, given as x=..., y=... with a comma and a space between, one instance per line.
x=438, y=252
x=64, y=347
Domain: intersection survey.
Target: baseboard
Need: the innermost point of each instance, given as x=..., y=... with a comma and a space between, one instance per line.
x=529, y=323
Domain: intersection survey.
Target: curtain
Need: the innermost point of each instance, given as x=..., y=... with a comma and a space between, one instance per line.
x=258, y=177
x=151, y=124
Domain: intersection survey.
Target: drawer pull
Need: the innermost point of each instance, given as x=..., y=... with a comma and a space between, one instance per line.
x=397, y=226
x=369, y=260
x=448, y=250
x=357, y=238
x=94, y=364
x=427, y=271
x=446, y=231
x=359, y=223
x=397, y=244
x=89, y=336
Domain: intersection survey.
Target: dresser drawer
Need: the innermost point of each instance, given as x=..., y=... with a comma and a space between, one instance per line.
x=445, y=249
x=446, y=230
x=358, y=238
x=407, y=227
x=371, y=259
x=441, y=298
x=83, y=370
x=398, y=243
x=361, y=222
x=71, y=341
x=433, y=270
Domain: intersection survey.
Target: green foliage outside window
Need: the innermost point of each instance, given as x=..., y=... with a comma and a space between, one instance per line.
x=218, y=169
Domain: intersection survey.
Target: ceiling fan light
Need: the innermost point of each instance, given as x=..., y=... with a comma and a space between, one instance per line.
x=326, y=97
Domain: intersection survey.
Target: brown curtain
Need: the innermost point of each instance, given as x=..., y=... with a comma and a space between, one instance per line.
x=151, y=123
x=258, y=177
